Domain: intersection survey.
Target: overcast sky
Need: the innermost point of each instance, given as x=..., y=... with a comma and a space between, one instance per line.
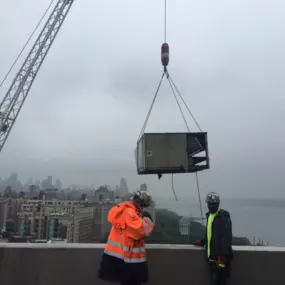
x=86, y=108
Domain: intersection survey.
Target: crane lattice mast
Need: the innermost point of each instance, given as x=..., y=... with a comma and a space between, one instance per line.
x=16, y=95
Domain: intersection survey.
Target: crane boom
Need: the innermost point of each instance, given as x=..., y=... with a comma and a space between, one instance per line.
x=16, y=95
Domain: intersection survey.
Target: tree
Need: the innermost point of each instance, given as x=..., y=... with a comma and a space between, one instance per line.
x=241, y=241
x=166, y=230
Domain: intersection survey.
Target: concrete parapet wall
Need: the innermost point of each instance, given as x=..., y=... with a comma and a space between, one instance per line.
x=77, y=264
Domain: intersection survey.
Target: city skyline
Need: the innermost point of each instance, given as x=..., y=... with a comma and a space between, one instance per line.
x=50, y=182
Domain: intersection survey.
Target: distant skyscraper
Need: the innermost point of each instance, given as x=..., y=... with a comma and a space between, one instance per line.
x=28, y=184
x=47, y=183
x=123, y=189
x=49, y=179
x=14, y=177
x=13, y=181
x=102, y=193
x=33, y=191
x=58, y=184
x=38, y=184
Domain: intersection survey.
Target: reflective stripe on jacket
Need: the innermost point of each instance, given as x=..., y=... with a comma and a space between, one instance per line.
x=126, y=239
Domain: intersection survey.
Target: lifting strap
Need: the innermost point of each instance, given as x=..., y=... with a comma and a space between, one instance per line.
x=177, y=95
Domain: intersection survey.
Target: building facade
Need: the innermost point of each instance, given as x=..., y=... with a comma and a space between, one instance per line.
x=103, y=194
x=83, y=225
x=34, y=216
x=3, y=213
x=101, y=226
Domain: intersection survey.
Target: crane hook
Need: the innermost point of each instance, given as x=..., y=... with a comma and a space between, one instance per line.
x=165, y=55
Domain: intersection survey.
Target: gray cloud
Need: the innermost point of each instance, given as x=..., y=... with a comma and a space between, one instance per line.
x=87, y=106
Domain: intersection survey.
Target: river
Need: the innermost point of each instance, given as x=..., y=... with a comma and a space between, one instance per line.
x=257, y=219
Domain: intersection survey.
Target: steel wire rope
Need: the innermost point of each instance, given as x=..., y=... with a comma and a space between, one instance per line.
x=25, y=45
x=173, y=188
x=165, y=19
x=173, y=88
x=151, y=107
x=185, y=104
x=199, y=197
x=178, y=104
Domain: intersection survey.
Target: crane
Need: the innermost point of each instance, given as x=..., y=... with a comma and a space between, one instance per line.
x=16, y=95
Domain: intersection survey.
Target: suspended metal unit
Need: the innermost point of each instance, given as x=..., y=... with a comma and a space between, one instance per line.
x=170, y=153
x=161, y=153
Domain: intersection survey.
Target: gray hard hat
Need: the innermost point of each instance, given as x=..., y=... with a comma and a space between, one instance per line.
x=213, y=198
x=143, y=198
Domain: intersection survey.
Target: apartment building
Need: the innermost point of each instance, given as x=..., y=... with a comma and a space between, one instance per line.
x=60, y=226
x=83, y=225
x=101, y=226
x=34, y=216
x=3, y=213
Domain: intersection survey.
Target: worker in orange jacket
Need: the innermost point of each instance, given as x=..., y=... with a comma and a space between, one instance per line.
x=124, y=258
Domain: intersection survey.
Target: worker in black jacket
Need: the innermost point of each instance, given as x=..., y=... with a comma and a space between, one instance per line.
x=218, y=240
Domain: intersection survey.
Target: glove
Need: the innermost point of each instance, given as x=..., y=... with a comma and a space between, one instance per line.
x=221, y=262
x=146, y=214
x=198, y=243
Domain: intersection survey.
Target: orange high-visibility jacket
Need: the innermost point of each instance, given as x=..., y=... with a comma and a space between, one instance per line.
x=126, y=239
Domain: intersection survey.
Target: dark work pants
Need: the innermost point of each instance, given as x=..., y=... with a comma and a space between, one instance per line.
x=130, y=283
x=135, y=274
x=218, y=276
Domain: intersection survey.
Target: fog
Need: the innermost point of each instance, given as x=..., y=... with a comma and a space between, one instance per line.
x=85, y=110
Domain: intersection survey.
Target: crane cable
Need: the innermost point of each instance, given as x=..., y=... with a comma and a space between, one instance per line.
x=165, y=19
x=176, y=94
x=185, y=104
x=173, y=88
x=151, y=107
x=24, y=47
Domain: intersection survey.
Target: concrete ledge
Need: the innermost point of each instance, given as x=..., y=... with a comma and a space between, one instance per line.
x=148, y=246
x=73, y=264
